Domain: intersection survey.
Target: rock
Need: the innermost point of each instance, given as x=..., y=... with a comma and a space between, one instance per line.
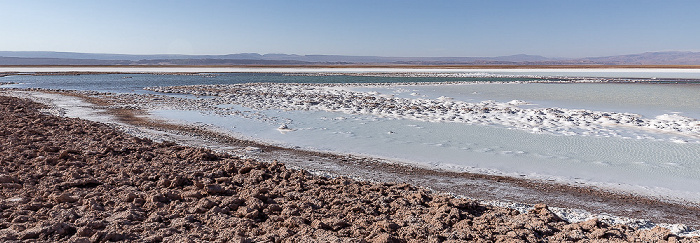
x=128, y=215
x=153, y=239
x=8, y=179
x=65, y=197
x=655, y=234
x=107, y=236
x=214, y=189
x=231, y=203
x=157, y=198
x=245, y=169
x=318, y=224
x=248, y=212
x=591, y=224
x=336, y=224
x=540, y=206
x=597, y=234
x=194, y=194
x=173, y=195
x=42, y=231
x=206, y=203
x=128, y=196
x=387, y=225
x=113, y=236
x=79, y=240
x=84, y=232
x=10, y=185
x=385, y=238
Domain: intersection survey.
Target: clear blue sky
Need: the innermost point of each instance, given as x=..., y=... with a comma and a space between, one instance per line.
x=560, y=28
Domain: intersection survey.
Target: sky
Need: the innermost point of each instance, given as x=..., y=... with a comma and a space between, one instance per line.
x=406, y=28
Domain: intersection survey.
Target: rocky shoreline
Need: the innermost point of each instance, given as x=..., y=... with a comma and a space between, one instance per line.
x=66, y=179
x=571, y=202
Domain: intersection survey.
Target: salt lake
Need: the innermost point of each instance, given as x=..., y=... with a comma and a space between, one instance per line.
x=636, y=135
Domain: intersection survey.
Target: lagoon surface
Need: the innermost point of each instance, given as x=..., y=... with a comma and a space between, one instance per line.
x=649, y=145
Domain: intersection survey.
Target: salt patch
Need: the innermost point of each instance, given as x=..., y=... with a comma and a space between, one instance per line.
x=444, y=98
x=517, y=102
x=253, y=150
x=16, y=199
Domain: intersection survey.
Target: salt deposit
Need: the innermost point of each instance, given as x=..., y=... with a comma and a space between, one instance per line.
x=626, y=151
x=443, y=109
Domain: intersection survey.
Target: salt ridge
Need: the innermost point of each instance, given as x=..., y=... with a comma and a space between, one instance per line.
x=336, y=98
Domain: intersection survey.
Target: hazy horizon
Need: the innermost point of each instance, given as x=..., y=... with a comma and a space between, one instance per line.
x=319, y=54
x=263, y=54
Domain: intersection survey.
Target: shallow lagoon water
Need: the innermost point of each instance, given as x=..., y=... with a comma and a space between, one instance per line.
x=135, y=82
x=646, y=166
x=679, y=73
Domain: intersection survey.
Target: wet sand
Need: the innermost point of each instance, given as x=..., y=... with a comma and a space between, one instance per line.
x=73, y=180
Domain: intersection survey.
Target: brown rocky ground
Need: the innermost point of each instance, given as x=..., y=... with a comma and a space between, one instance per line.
x=73, y=180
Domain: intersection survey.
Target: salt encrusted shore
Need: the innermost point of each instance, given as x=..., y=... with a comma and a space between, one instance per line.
x=569, y=199
x=73, y=180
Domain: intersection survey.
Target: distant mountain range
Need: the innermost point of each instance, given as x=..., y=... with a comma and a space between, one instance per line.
x=73, y=58
x=650, y=58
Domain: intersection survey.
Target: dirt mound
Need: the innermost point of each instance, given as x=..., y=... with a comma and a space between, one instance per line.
x=73, y=180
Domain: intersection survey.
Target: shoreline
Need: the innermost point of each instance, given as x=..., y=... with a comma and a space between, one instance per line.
x=479, y=186
x=105, y=185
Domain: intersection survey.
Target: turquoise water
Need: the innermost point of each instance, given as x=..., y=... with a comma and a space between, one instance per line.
x=134, y=83
x=649, y=99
